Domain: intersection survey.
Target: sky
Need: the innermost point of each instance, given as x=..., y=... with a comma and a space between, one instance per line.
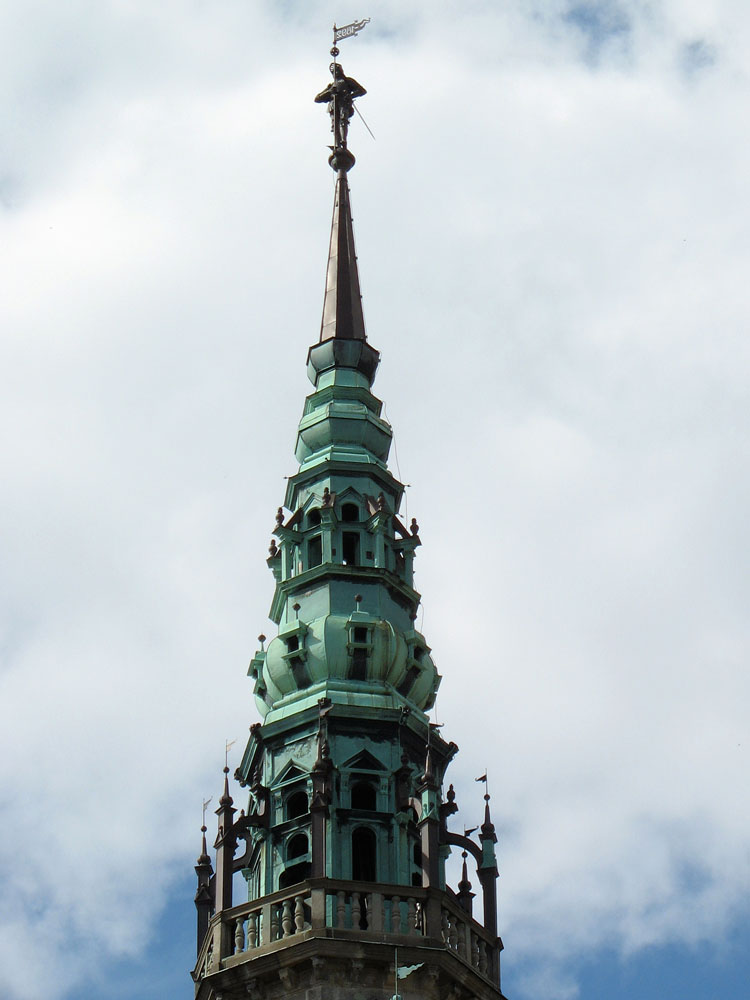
x=552, y=227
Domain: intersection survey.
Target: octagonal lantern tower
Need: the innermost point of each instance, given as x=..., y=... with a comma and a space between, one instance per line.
x=344, y=837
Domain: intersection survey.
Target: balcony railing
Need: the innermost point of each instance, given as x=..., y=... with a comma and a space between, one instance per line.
x=341, y=909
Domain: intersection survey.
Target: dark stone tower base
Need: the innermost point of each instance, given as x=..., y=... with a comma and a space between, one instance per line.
x=343, y=970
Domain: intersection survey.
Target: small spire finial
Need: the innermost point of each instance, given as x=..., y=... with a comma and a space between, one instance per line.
x=204, y=856
x=226, y=799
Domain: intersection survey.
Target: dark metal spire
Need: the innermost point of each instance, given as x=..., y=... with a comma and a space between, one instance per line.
x=342, y=343
x=342, y=305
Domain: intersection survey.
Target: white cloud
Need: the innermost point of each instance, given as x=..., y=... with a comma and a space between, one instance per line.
x=553, y=262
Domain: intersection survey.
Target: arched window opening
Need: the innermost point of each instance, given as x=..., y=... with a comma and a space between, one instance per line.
x=364, y=795
x=409, y=681
x=364, y=855
x=297, y=846
x=412, y=674
x=416, y=857
x=295, y=874
x=253, y=882
x=360, y=651
x=313, y=518
x=315, y=551
x=296, y=805
x=349, y=512
x=297, y=662
x=350, y=548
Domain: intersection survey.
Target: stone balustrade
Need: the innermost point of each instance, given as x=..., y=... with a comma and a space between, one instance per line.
x=401, y=915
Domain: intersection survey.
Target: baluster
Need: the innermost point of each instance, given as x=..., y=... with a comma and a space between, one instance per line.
x=286, y=918
x=474, y=950
x=299, y=914
x=396, y=915
x=356, y=912
x=275, y=935
x=411, y=915
x=452, y=933
x=419, y=919
x=375, y=912
x=483, y=958
x=445, y=927
x=366, y=910
x=239, y=935
x=461, y=934
x=252, y=930
x=341, y=909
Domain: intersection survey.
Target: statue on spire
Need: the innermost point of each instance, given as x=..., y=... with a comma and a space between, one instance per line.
x=340, y=95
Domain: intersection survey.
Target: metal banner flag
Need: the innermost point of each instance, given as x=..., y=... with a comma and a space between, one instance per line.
x=349, y=29
x=406, y=970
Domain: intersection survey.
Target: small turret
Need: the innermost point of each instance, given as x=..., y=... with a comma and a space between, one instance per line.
x=204, y=899
x=465, y=896
x=487, y=871
x=225, y=844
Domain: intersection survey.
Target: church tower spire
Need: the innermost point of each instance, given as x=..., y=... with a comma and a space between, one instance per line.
x=346, y=827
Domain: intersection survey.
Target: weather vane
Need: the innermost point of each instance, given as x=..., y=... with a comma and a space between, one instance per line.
x=346, y=32
x=340, y=95
x=205, y=806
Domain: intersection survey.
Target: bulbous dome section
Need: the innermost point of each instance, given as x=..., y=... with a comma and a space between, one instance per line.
x=358, y=652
